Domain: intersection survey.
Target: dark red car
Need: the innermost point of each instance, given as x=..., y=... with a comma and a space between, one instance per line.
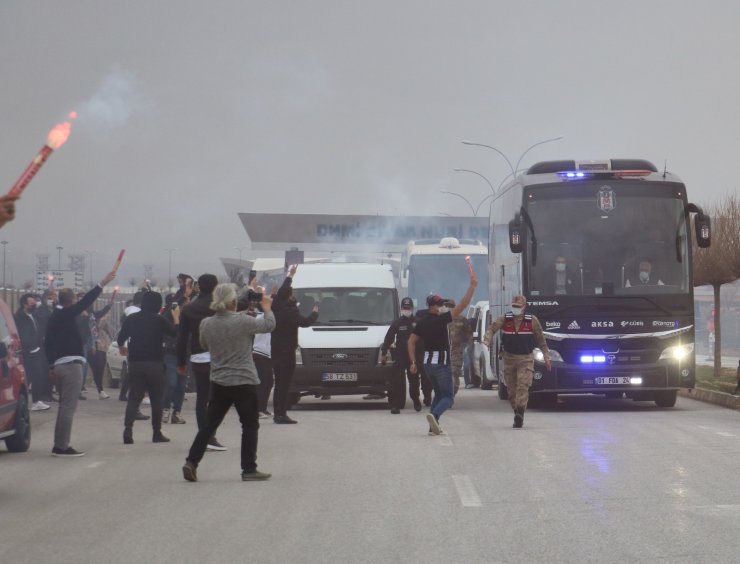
x=15, y=417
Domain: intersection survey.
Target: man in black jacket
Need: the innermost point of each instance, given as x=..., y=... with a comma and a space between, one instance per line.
x=399, y=333
x=283, y=344
x=33, y=357
x=147, y=330
x=65, y=354
x=188, y=336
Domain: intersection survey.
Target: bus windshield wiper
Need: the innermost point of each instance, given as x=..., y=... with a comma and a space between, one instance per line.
x=360, y=321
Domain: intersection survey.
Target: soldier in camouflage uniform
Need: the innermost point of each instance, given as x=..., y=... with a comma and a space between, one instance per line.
x=521, y=333
x=460, y=335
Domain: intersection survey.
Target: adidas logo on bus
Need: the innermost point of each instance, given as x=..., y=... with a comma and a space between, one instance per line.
x=574, y=325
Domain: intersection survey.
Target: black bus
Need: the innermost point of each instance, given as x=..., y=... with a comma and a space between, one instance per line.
x=619, y=315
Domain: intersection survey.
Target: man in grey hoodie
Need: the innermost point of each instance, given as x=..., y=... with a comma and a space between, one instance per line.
x=228, y=336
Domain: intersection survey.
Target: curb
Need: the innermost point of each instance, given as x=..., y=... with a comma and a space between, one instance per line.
x=710, y=396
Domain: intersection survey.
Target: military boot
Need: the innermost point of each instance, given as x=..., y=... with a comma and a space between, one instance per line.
x=518, y=418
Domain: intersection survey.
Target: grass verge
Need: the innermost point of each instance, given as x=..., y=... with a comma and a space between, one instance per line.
x=727, y=382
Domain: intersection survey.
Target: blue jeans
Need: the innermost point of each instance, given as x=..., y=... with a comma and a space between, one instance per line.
x=441, y=378
x=174, y=391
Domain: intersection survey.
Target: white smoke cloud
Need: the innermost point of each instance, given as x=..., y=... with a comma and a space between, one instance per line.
x=114, y=102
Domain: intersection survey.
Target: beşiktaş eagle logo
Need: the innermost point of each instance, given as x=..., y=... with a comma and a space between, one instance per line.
x=574, y=325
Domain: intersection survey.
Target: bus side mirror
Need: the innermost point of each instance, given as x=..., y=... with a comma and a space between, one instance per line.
x=703, y=227
x=515, y=235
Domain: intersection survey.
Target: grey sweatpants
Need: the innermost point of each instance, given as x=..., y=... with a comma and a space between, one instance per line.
x=69, y=384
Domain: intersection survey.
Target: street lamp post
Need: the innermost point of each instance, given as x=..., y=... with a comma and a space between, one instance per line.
x=513, y=168
x=59, y=257
x=90, y=254
x=169, y=269
x=5, y=248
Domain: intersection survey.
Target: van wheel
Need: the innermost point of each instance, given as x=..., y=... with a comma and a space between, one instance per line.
x=21, y=440
x=666, y=399
x=503, y=393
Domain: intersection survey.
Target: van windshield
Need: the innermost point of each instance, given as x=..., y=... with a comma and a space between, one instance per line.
x=349, y=306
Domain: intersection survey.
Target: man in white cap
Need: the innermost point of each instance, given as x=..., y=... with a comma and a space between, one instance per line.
x=521, y=334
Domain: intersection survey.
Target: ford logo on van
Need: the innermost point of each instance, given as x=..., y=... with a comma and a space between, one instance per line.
x=340, y=356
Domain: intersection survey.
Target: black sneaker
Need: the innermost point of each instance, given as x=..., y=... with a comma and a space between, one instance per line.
x=189, y=472
x=128, y=436
x=417, y=404
x=140, y=416
x=395, y=411
x=68, y=452
x=284, y=420
x=213, y=444
x=518, y=418
x=255, y=476
x=160, y=438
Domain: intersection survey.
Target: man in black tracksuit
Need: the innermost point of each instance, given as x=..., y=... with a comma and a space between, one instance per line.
x=146, y=330
x=188, y=336
x=398, y=333
x=283, y=344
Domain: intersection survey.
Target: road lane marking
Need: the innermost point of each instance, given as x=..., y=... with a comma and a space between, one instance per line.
x=466, y=491
x=723, y=434
x=96, y=464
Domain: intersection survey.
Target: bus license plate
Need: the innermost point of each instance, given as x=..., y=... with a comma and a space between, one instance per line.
x=612, y=380
x=339, y=377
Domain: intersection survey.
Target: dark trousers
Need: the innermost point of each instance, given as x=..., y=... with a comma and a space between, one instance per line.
x=123, y=393
x=264, y=371
x=397, y=388
x=174, y=384
x=283, y=364
x=38, y=375
x=145, y=376
x=98, y=360
x=420, y=382
x=202, y=376
x=244, y=399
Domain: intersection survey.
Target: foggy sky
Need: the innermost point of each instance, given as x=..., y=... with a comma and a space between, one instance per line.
x=191, y=112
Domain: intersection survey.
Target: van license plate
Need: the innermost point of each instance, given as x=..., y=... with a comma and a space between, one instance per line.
x=339, y=377
x=612, y=380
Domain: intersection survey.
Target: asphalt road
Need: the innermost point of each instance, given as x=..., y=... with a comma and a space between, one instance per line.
x=587, y=480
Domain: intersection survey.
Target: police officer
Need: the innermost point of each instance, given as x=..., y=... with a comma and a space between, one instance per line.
x=396, y=339
x=521, y=333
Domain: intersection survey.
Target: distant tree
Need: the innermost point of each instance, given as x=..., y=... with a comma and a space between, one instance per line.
x=720, y=263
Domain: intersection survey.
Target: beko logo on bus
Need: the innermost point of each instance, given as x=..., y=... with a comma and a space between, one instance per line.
x=552, y=324
x=544, y=303
x=602, y=324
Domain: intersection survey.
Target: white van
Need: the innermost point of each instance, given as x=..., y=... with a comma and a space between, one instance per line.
x=482, y=366
x=340, y=353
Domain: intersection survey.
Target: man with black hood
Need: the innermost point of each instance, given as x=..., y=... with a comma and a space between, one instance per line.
x=188, y=337
x=283, y=344
x=146, y=330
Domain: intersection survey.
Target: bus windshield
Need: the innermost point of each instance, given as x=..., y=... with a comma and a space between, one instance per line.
x=447, y=276
x=595, y=240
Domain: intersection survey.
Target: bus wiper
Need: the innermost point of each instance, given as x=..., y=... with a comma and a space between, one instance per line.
x=360, y=321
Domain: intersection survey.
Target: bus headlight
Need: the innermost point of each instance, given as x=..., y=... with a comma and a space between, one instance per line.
x=677, y=352
x=298, y=356
x=540, y=357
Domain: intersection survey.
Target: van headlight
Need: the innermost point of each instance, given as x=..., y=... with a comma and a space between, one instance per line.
x=540, y=357
x=677, y=352
x=298, y=356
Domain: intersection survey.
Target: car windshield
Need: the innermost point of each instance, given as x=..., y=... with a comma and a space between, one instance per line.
x=624, y=239
x=447, y=276
x=349, y=306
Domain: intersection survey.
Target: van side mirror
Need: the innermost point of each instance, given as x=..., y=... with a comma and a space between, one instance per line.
x=516, y=233
x=703, y=228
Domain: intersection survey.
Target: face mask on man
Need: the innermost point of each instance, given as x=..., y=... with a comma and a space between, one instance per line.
x=644, y=276
x=407, y=312
x=50, y=303
x=444, y=309
x=516, y=310
x=560, y=266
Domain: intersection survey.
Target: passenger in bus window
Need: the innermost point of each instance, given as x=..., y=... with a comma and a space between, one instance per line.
x=644, y=277
x=561, y=279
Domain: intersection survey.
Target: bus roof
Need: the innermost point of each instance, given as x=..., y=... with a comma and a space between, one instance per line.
x=550, y=172
x=446, y=246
